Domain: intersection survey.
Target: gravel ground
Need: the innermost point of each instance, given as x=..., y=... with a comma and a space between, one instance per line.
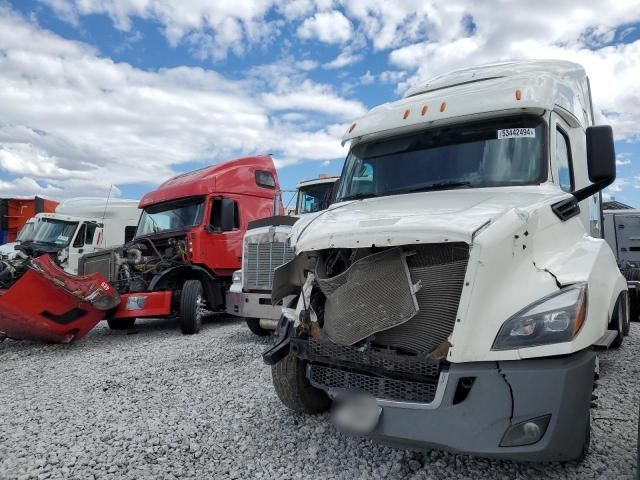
x=152, y=403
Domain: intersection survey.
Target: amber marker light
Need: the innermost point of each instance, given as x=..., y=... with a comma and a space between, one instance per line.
x=443, y=106
x=425, y=109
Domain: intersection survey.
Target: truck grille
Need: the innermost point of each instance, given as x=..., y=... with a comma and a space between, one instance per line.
x=329, y=378
x=364, y=312
x=260, y=261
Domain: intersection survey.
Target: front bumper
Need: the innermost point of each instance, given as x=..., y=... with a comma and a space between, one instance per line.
x=153, y=304
x=252, y=305
x=502, y=394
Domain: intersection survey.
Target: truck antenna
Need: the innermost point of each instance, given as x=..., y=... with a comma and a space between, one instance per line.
x=104, y=214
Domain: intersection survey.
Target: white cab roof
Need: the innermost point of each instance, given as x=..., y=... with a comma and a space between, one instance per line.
x=533, y=85
x=94, y=208
x=317, y=181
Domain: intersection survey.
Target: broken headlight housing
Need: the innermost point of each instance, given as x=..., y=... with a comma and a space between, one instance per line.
x=556, y=318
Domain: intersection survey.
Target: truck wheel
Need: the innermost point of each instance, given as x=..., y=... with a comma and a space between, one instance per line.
x=121, y=323
x=254, y=326
x=191, y=307
x=294, y=389
x=634, y=305
x=626, y=325
x=617, y=322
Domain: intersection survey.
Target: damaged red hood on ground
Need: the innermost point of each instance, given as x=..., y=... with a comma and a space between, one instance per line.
x=47, y=304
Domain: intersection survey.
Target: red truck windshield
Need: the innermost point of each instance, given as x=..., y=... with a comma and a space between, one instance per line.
x=175, y=215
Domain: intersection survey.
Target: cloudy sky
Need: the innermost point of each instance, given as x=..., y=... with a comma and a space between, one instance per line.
x=130, y=92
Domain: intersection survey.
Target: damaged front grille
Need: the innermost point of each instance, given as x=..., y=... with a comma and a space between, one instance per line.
x=376, y=297
x=330, y=378
x=375, y=293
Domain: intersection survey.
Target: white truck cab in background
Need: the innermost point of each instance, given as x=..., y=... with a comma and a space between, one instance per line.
x=80, y=226
x=265, y=247
x=453, y=293
x=8, y=250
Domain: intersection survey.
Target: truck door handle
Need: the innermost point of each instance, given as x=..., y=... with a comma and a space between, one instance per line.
x=80, y=250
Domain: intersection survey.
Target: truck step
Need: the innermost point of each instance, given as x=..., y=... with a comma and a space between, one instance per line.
x=607, y=339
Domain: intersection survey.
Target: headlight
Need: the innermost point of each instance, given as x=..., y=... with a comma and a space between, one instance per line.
x=554, y=319
x=135, y=303
x=237, y=276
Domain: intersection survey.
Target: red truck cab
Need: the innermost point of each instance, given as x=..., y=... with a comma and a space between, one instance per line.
x=188, y=243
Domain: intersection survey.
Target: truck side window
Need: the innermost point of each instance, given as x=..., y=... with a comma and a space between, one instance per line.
x=563, y=159
x=265, y=179
x=79, y=240
x=91, y=232
x=224, y=215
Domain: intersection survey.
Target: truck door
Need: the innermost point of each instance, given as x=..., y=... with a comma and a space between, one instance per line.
x=83, y=242
x=569, y=170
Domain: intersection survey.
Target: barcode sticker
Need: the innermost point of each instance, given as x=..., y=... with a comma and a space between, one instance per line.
x=516, y=133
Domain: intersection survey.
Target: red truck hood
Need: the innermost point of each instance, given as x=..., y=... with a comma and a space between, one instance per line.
x=49, y=305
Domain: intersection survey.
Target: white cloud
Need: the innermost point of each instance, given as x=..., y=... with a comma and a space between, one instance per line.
x=328, y=27
x=212, y=28
x=367, y=78
x=344, y=59
x=623, y=159
x=72, y=122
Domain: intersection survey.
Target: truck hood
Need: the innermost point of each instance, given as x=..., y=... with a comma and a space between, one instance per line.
x=427, y=217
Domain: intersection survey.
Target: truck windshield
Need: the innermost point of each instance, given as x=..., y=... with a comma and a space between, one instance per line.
x=313, y=198
x=171, y=216
x=52, y=231
x=26, y=232
x=486, y=154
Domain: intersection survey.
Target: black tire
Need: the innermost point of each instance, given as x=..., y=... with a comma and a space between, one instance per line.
x=634, y=305
x=254, y=326
x=294, y=389
x=617, y=322
x=191, y=306
x=121, y=323
x=626, y=325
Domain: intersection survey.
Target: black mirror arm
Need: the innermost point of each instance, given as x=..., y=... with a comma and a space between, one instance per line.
x=569, y=208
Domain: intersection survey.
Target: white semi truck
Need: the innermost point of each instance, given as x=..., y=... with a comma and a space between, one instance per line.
x=80, y=226
x=455, y=290
x=8, y=250
x=264, y=248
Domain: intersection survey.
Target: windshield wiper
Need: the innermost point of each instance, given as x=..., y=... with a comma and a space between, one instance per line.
x=435, y=186
x=360, y=196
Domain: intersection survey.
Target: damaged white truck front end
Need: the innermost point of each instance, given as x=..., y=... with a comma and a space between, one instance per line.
x=458, y=281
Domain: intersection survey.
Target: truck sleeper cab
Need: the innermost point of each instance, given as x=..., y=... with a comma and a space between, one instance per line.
x=453, y=292
x=265, y=247
x=188, y=243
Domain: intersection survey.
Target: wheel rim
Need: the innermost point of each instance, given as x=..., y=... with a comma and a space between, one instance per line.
x=200, y=308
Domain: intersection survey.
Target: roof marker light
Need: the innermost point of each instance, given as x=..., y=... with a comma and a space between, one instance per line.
x=518, y=94
x=406, y=114
x=424, y=110
x=443, y=106
x=352, y=127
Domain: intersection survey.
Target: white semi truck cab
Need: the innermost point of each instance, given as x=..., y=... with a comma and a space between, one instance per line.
x=265, y=247
x=80, y=226
x=454, y=292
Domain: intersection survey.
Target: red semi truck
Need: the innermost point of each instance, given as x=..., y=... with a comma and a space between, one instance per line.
x=188, y=243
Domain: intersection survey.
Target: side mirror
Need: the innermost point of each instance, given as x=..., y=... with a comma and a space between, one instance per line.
x=601, y=160
x=223, y=216
x=601, y=163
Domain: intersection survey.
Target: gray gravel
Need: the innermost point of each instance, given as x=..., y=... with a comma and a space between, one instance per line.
x=153, y=403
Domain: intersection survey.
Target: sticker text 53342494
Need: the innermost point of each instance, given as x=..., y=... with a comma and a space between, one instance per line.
x=516, y=133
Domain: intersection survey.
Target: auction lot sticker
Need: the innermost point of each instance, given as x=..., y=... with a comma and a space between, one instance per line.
x=516, y=133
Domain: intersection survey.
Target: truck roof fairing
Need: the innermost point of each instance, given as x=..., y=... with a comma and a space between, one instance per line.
x=534, y=85
x=234, y=176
